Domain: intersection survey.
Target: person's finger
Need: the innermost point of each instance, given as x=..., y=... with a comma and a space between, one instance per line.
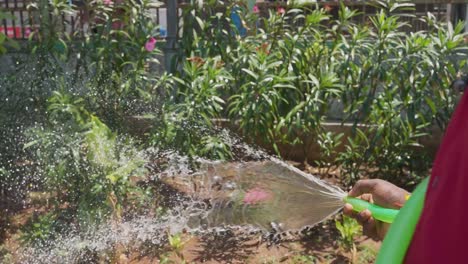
x=366, y=197
x=363, y=216
x=369, y=229
x=381, y=229
x=362, y=187
x=348, y=209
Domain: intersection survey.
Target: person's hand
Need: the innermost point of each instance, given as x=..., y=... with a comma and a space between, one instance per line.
x=381, y=193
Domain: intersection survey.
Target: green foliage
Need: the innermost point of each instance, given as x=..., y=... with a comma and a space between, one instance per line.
x=84, y=163
x=294, y=71
x=40, y=229
x=367, y=254
x=396, y=90
x=278, y=84
x=348, y=229
x=110, y=71
x=284, y=82
x=5, y=255
x=207, y=30
x=109, y=65
x=114, y=62
x=176, y=243
x=24, y=94
x=50, y=38
x=4, y=40
x=187, y=124
x=303, y=259
x=259, y=90
x=4, y=173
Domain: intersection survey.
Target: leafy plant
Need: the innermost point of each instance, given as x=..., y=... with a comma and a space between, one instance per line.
x=187, y=124
x=303, y=259
x=84, y=162
x=50, y=36
x=207, y=30
x=261, y=86
x=391, y=82
x=176, y=243
x=348, y=229
x=5, y=255
x=40, y=229
x=367, y=254
x=385, y=82
x=4, y=40
x=116, y=60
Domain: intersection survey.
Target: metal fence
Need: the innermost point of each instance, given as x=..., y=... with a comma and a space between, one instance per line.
x=440, y=9
x=420, y=10
x=22, y=20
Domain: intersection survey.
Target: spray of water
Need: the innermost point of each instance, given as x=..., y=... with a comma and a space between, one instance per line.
x=267, y=194
x=255, y=193
x=264, y=195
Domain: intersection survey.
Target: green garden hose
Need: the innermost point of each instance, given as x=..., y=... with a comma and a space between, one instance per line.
x=380, y=213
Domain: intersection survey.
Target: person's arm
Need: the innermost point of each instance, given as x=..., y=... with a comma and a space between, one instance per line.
x=381, y=193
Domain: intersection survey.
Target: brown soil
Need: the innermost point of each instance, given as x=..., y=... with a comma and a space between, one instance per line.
x=321, y=246
x=313, y=249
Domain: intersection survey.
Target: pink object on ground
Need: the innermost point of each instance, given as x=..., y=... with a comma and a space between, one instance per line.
x=256, y=195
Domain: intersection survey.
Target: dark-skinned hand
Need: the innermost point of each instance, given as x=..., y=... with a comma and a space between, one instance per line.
x=381, y=193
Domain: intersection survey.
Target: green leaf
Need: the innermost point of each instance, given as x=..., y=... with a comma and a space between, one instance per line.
x=200, y=22
x=30, y=144
x=431, y=104
x=113, y=178
x=5, y=15
x=251, y=73
x=14, y=44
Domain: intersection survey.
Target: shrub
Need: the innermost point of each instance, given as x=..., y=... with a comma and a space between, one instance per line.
x=187, y=124
x=83, y=163
x=292, y=69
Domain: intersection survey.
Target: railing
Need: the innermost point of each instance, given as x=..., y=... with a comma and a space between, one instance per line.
x=437, y=7
x=22, y=20
x=420, y=10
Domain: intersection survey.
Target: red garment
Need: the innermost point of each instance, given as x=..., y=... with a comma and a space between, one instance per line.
x=441, y=235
